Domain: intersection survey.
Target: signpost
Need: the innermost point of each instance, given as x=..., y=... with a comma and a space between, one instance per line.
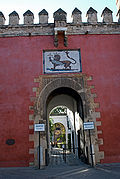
x=89, y=126
x=39, y=128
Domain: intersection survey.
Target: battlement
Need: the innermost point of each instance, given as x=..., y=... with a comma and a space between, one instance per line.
x=77, y=26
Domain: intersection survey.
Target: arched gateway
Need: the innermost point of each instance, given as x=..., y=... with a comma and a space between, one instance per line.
x=45, y=65
x=73, y=92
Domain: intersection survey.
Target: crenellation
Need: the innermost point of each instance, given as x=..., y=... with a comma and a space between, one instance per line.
x=107, y=16
x=92, y=26
x=28, y=17
x=118, y=14
x=14, y=18
x=91, y=15
x=60, y=18
x=2, y=18
x=77, y=16
x=43, y=17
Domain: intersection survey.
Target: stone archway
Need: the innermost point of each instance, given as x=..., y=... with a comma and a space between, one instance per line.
x=77, y=83
x=67, y=97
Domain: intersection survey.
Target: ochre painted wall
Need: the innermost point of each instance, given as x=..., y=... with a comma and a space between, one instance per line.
x=21, y=60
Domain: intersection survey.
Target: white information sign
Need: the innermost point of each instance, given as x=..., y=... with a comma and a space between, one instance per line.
x=39, y=127
x=88, y=125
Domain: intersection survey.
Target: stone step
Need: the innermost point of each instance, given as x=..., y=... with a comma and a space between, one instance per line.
x=56, y=158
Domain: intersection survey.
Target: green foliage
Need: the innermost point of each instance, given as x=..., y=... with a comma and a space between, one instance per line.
x=59, y=110
x=51, y=123
x=61, y=138
x=52, y=127
x=58, y=131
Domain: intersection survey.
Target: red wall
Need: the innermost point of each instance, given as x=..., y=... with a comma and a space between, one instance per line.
x=21, y=61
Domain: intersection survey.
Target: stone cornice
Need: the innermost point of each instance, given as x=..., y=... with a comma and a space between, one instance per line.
x=48, y=29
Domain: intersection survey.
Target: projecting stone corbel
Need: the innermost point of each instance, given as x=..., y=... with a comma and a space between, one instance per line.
x=61, y=30
x=55, y=39
x=65, y=39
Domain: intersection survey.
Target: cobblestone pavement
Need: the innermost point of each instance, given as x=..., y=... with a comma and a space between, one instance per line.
x=58, y=169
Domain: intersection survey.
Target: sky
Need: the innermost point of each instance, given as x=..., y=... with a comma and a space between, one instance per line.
x=21, y=6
